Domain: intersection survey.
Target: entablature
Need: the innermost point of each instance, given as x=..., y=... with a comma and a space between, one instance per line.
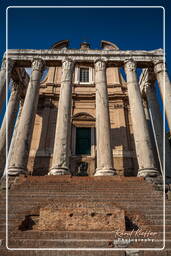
x=51, y=57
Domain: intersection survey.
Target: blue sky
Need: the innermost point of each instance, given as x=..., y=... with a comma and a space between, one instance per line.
x=128, y=28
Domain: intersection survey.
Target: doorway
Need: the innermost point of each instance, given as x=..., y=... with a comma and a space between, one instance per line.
x=83, y=141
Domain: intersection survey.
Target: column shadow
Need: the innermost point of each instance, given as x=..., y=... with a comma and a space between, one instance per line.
x=125, y=163
x=43, y=156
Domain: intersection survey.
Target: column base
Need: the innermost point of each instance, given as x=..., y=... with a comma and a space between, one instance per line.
x=15, y=171
x=105, y=172
x=148, y=172
x=59, y=171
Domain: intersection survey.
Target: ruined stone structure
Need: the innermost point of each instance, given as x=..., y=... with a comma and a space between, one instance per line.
x=84, y=112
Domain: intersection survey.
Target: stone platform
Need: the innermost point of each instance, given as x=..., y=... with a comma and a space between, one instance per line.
x=34, y=202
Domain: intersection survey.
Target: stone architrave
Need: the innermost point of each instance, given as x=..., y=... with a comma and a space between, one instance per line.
x=19, y=155
x=9, y=64
x=140, y=129
x=8, y=125
x=60, y=161
x=164, y=82
x=104, y=150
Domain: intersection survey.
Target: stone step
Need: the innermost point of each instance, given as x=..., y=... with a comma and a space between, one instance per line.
x=128, y=208
x=78, y=179
x=156, y=253
x=68, y=202
x=153, y=221
x=33, y=234
x=150, y=215
x=120, y=191
x=138, y=208
x=98, y=186
x=127, y=193
x=88, y=200
x=86, y=194
x=34, y=208
x=108, y=252
x=75, y=243
x=14, y=201
x=67, y=234
x=149, y=196
x=4, y=252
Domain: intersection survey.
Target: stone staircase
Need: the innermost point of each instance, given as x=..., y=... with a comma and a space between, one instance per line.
x=141, y=203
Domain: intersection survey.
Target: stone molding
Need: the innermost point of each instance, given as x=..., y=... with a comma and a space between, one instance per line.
x=83, y=116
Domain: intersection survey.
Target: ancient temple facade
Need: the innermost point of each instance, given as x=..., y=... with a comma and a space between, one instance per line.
x=94, y=114
x=85, y=112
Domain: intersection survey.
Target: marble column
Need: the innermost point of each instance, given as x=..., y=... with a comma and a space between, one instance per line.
x=19, y=156
x=8, y=125
x=14, y=135
x=9, y=64
x=143, y=145
x=103, y=138
x=164, y=82
x=60, y=161
x=157, y=124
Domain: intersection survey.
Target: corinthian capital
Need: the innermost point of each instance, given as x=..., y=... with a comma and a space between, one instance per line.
x=67, y=64
x=159, y=66
x=100, y=64
x=38, y=64
x=130, y=65
x=9, y=63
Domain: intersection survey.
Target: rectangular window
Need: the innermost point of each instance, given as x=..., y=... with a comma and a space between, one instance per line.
x=84, y=75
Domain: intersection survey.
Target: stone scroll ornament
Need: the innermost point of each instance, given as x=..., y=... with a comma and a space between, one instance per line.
x=130, y=65
x=159, y=66
x=67, y=64
x=38, y=64
x=100, y=65
x=7, y=63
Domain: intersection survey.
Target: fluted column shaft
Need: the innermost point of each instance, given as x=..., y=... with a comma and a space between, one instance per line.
x=8, y=125
x=163, y=80
x=19, y=156
x=140, y=129
x=103, y=138
x=9, y=64
x=60, y=161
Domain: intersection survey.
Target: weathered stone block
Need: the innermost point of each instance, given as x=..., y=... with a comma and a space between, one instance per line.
x=54, y=217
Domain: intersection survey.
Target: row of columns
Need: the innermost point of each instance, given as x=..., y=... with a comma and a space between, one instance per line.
x=140, y=130
x=17, y=162
x=8, y=125
x=149, y=92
